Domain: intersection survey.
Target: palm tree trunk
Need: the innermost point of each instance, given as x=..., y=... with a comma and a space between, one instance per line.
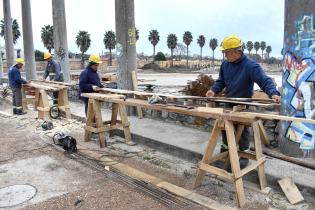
x=213, y=58
x=82, y=59
x=172, y=57
x=110, y=56
x=153, y=53
x=49, y=50
x=201, y=53
x=187, y=57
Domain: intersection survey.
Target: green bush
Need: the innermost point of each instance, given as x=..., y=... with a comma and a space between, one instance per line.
x=160, y=57
x=39, y=55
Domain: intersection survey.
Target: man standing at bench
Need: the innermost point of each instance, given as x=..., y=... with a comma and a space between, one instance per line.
x=53, y=70
x=89, y=79
x=237, y=75
x=16, y=81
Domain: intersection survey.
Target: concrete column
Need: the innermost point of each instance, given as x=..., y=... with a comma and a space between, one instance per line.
x=8, y=33
x=1, y=66
x=126, y=42
x=28, y=44
x=298, y=139
x=60, y=37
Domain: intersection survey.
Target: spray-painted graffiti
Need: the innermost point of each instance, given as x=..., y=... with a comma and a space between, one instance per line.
x=61, y=53
x=299, y=83
x=132, y=36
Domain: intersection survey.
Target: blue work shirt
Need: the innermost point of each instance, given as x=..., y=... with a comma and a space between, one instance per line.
x=238, y=79
x=15, y=79
x=88, y=78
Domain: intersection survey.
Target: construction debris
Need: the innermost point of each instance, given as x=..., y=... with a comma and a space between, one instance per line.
x=290, y=190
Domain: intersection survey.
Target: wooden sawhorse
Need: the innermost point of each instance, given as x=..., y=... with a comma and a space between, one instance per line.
x=233, y=155
x=95, y=123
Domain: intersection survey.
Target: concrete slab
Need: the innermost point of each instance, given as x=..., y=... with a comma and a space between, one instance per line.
x=194, y=141
x=33, y=171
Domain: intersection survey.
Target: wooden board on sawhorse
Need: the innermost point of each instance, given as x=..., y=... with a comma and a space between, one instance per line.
x=232, y=138
x=41, y=98
x=95, y=123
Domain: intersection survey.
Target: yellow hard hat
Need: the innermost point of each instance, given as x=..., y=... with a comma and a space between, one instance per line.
x=19, y=60
x=231, y=42
x=47, y=55
x=95, y=59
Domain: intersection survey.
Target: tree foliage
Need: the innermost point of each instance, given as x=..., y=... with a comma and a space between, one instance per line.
x=16, y=33
x=83, y=41
x=213, y=45
x=160, y=57
x=154, y=39
x=256, y=46
x=110, y=42
x=47, y=37
x=249, y=46
x=187, y=39
x=171, y=43
x=262, y=47
x=201, y=42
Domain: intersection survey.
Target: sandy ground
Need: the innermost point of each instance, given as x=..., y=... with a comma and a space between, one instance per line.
x=63, y=183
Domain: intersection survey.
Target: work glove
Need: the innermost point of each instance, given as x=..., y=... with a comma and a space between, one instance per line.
x=95, y=88
x=154, y=99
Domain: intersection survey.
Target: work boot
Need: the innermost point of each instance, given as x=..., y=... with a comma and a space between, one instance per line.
x=224, y=148
x=14, y=110
x=20, y=112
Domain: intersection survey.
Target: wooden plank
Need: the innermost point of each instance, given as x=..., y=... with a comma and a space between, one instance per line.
x=219, y=156
x=135, y=87
x=263, y=133
x=113, y=122
x=259, y=155
x=216, y=171
x=251, y=167
x=210, y=109
x=208, y=151
x=99, y=122
x=89, y=119
x=290, y=190
x=188, y=194
x=124, y=119
x=63, y=102
x=43, y=103
x=234, y=159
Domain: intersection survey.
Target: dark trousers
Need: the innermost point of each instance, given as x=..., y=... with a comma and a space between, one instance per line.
x=17, y=98
x=244, y=140
x=86, y=103
x=55, y=97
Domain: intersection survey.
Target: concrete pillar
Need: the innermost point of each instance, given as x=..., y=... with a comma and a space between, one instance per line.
x=8, y=33
x=298, y=95
x=60, y=37
x=28, y=44
x=1, y=65
x=126, y=42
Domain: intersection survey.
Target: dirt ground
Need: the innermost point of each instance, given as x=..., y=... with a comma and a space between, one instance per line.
x=64, y=183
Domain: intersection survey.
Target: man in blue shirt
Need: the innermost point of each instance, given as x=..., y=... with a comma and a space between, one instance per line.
x=15, y=82
x=89, y=79
x=53, y=70
x=237, y=75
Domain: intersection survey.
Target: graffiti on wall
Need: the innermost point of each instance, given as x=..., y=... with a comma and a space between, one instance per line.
x=299, y=83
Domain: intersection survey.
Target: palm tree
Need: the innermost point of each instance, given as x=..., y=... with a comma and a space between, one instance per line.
x=262, y=47
x=83, y=42
x=213, y=45
x=110, y=42
x=171, y=44
x=256, y=46
x=249, y=46
x=154, y=38
x=243, y=46
x=15, y=30
x=268, y=50
x=187, y=39
x=47, y=37
x=201, y=42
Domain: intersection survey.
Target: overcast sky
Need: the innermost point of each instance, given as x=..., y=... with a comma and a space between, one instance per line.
x=255, y=20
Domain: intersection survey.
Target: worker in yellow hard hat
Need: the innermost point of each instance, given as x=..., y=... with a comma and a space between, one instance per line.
x=89, y=78
x=15, y=82
x=53, y=71
x=237, y=76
